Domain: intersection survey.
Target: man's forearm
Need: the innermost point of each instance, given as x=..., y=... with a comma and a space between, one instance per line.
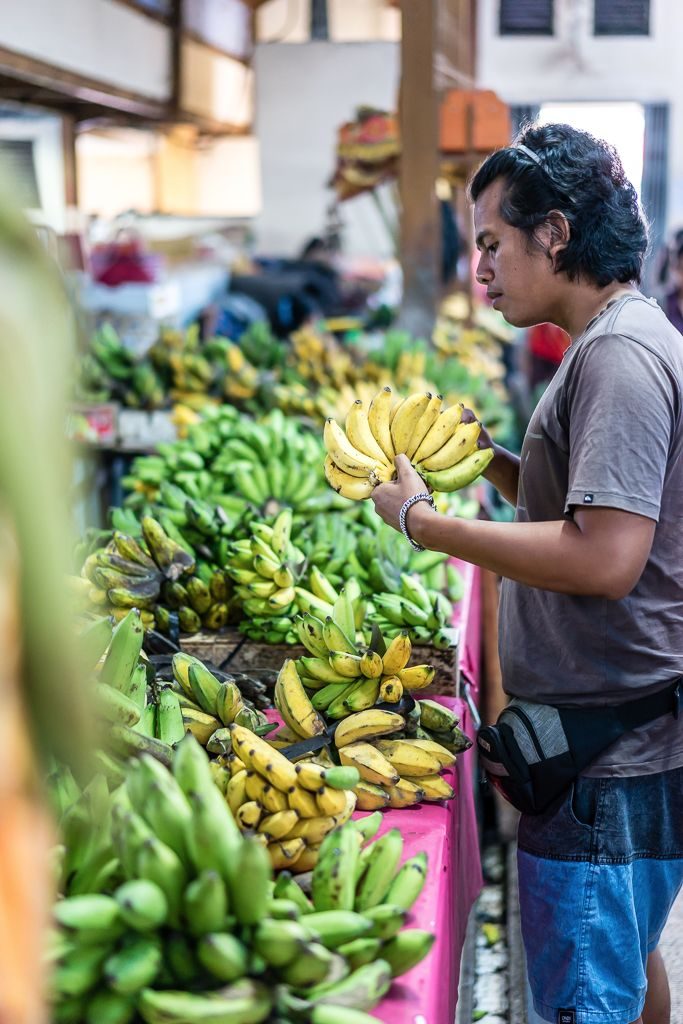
x=503, y=473
x=551, y=555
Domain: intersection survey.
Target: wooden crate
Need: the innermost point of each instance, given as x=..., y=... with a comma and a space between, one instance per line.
x=210, y=646
x=249, y=656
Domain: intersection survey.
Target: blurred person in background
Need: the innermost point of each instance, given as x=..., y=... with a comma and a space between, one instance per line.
x=41, y=714
x=546, y=345
x=672, y=277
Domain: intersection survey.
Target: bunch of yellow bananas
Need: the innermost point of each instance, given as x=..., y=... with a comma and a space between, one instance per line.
x=289, y=808
x=442, y=448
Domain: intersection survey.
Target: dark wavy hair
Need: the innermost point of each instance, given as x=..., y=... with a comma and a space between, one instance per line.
x=584, y=179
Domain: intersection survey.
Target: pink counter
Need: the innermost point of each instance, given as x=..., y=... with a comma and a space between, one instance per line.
x=448, y=833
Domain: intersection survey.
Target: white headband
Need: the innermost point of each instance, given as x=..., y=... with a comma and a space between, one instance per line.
x=530, y=153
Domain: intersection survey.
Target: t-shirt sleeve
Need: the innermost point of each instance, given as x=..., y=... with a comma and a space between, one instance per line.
x=621, y=407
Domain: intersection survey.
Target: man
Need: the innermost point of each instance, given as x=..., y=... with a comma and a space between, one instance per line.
x=592, y=596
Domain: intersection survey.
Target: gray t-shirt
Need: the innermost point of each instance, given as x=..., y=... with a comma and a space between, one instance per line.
x=607, y=432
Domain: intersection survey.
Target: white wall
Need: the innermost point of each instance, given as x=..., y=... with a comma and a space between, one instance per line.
x=576, y=65
x=95, y=38
x=304, y=92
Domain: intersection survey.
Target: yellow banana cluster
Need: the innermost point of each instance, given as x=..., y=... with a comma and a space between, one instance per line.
x=288, y=808
x=443, y=449
x=396, y=772
x=339, y=678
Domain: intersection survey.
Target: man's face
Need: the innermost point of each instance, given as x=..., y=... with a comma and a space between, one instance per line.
x=519, y=277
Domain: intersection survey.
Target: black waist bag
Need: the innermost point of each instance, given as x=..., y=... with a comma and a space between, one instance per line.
x=535, y=751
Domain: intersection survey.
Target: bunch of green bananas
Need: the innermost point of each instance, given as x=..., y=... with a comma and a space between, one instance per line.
x=108, y=370
x=265, y=568
x=230, y=460
x=129, y=572
x=424, y=612
x=182, y=922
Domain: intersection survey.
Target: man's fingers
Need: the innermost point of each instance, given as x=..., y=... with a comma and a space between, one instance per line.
x=467, y=416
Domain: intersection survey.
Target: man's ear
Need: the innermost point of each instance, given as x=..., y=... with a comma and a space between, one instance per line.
x=559, y=233
x=553, y=234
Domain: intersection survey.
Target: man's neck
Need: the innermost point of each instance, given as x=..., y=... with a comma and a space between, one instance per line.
x=582, y=304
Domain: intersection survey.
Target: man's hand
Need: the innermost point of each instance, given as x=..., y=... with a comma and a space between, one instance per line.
x=485, y=440
x=389, y=498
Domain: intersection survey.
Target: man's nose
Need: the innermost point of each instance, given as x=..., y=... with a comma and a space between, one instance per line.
x=483, y=273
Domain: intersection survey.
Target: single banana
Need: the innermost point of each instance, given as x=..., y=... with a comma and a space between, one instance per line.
x=313, y=830
x=278, y=825
x=408, y=883
x=345, y=455
x=360, y=435
x=404, y=794
x=311, y=776
x=367, y=725
x=408, y=758
x=371, y=664
x=347, y=665
x=294, y=703
x=397, y=655
x=372, y=765
x=436, y=717
x=353, y=487
x=381, y=868
x=303, y=802
x=425, y=424
x=284, y=854
x=417, y=677
x=435, y=787
x=444, y=756
x=248, y=815
x=461, y=444
x=379, y=421
x=460, y=475
x=335, y=638
x=310, y=630
x=390, y=690
x=441, y=432
x=371, y=797
x=258, y=788
x=406, y=419
x=331, y=801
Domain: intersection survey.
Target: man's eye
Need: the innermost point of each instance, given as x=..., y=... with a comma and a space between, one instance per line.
x=492, y=247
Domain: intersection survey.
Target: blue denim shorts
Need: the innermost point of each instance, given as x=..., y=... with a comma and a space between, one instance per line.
x=598, y=875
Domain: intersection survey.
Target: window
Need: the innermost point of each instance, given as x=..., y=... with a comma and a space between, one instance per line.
x=17, y=162
x=526, y=17
x=622, y=17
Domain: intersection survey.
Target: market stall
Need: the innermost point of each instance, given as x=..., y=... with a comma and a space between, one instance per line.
x=449, y=833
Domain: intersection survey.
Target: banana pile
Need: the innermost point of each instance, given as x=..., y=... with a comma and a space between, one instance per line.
x=265, y=568
x=289, y=808
x=424, y=613
x=230, y=460
x=355, y=687
x=169, y=914
x=157, y=573
x=442, y=449
x=208, y=705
